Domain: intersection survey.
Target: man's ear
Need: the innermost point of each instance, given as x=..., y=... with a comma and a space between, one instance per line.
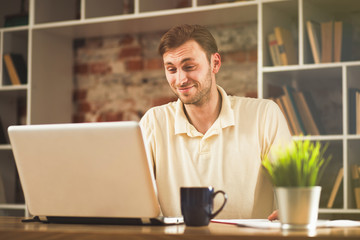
x=216, y=62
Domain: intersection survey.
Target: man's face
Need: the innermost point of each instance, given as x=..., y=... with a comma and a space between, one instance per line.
x=189, y=73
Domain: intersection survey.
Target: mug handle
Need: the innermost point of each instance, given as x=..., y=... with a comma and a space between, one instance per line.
x=223, y=205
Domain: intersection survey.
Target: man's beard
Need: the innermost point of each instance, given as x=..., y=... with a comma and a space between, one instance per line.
x=200, y=97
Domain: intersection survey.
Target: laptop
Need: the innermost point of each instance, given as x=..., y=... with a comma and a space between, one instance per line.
x=87, y=173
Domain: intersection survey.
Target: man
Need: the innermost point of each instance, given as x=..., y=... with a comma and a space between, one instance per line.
x=207, y=138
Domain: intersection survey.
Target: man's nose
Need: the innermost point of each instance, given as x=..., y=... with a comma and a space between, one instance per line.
x=181, y=77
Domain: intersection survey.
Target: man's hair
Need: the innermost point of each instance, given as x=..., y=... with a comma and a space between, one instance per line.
x=180, y=34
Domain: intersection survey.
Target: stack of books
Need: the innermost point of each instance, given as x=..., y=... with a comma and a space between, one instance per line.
x=354, y=111
x=282, y=47
x=298, y=109
x=355, y=176
x=355, y=183
x=15, y=69
x=330, y=41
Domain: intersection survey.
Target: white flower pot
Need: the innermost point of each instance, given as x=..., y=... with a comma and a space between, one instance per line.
x=298, y=206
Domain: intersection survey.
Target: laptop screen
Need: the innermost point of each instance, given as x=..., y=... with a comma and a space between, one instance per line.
x=85, y=170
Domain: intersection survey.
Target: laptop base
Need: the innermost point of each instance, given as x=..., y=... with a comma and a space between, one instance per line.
x=103, y=221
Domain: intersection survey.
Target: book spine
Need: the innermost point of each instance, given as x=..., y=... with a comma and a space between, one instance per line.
x=289, y=94
x=280, y=40
x=312, y=29
x=335, y=188
x=10, y=67
x=356, y=183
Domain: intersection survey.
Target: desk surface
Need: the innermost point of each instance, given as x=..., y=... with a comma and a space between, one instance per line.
x=13, y=228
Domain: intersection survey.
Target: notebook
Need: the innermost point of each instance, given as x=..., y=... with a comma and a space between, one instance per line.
x=87, y=173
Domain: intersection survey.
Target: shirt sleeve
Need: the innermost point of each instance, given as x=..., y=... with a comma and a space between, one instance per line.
x=149, y=139
x=275, y=129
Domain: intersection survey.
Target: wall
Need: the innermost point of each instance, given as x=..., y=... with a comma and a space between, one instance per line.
x=121, y=77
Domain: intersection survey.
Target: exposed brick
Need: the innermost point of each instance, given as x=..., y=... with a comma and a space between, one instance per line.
x=239, y=56
x=110, y=117
x=94, y=43
x=154, y=64
x=126, y=40
x=134, y=65
x=78, y=118
x=124, y=75
x=251, y=94
x=99, y=68
x=81, y=69
x=163, y=100
x=79, y=94
x=84, y=107
x=252, y=55
x=130, y=52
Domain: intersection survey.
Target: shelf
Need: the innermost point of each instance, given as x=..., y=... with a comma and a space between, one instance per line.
x=5, y=147
x=279, y=14
x=10, y=8
x=155, y=21
x=12, y=88
x=14, y=29
x=338, y=211
x=154, y=6
x=13, y=206
x=101, y=8
x=320, y=138
x=310, y=66
x=56, y=10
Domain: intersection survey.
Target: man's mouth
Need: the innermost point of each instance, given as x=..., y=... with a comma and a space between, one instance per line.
x=185, y=89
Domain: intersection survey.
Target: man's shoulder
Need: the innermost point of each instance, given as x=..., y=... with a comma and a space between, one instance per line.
x=160, y=112
x=161, y=109
x=245, y=102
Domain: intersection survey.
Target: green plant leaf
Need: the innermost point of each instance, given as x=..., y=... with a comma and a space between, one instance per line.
x=301, y=164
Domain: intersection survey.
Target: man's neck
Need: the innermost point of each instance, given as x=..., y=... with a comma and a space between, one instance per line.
x=202, y=117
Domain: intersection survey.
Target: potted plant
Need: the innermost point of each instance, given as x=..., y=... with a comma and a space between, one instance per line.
x=295, y=171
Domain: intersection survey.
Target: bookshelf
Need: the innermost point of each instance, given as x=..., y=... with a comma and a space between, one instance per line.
x=46, y=43
x=327, y=82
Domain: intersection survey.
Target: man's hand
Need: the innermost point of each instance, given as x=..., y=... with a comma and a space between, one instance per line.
x=273, y=216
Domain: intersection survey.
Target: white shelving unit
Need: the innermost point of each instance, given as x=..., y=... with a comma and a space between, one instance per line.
x=47, y=45
x=328, y=82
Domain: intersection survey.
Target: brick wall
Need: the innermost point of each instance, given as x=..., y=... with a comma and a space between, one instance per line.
x=121, y=77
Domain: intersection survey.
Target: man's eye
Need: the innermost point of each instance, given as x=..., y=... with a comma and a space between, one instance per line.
x=189, y=68
x=171, y=69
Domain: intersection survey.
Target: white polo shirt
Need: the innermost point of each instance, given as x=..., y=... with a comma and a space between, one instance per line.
x=228, y=157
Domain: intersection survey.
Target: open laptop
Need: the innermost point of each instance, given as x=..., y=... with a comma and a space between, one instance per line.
x=87, y=173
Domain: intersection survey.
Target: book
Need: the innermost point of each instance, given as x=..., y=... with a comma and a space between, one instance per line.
x=327, y=30
x=16, y=68
x=288, y=91
x=335, y=188
x=316, y=113
x=357, y=111
x=16, y=20
x=3, y=139
x=353, y=110
x=355, y=175
x=306, y=114
x=286, y=44
x=274, y=50
x=280, y=103
x=291, y=115
x=313, y=30
x=342, y=41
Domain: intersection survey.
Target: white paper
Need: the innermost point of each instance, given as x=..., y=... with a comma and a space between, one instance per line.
x=266, y=224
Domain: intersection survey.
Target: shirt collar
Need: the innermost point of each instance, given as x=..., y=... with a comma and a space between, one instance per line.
x=226, y=117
